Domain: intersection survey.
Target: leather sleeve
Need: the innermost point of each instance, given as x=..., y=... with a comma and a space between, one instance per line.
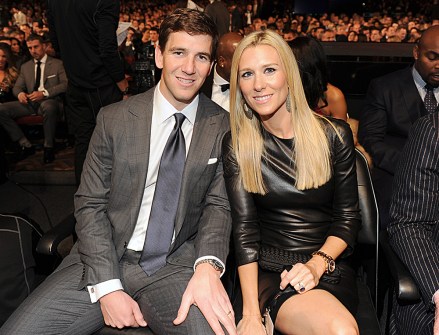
x=345, y=216
x=245, y=223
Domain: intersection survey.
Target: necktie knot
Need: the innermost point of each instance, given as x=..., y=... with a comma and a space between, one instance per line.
x=429, y=87
x=430, y=101
x=224, y=87
x=179, y=119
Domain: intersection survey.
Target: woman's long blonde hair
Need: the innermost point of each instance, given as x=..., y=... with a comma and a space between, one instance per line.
x=311, y=154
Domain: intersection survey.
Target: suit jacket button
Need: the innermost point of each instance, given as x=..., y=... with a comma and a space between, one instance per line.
x=125, y=245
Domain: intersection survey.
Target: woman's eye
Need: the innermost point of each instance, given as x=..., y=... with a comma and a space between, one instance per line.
x=246, y=74
x=270, y=70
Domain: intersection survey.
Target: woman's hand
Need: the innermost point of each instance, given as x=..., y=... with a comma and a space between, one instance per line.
x=303, y=277
x=251, y=325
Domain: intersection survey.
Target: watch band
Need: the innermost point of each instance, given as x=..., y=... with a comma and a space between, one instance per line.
x=215, y=264
x=330, y=263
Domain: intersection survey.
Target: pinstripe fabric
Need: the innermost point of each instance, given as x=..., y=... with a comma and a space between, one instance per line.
x=414, y=228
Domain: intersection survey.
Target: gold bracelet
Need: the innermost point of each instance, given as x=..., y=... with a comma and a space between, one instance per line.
x=330, y=263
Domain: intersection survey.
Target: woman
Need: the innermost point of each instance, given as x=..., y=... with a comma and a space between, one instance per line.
x=291, y=182
x=322, y=97
x=8, y=74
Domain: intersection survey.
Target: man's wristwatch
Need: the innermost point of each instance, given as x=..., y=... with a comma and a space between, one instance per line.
x=330, y=263
x=215, y=264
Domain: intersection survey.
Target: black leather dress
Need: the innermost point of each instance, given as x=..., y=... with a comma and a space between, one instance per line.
x=296, y=220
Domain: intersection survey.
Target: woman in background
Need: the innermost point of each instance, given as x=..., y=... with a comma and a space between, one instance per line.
x=322, y=97
x=8, y=74
x=291, y=181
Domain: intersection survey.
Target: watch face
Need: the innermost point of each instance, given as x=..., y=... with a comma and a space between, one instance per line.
x=331, y=266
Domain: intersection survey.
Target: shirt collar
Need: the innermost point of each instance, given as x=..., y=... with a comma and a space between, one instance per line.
x=419, y=82
x=165, y=110
x=42, y=60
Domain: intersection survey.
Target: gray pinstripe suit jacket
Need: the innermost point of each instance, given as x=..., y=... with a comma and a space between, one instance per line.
x=109, y=198
x=414, y=228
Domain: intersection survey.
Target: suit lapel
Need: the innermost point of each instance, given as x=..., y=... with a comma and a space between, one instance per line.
x=415, y=105
x=138, y=130
x=203, y=139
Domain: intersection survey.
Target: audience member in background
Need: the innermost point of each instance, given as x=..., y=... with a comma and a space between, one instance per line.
x=375, y=35
x=393, y=103
x=279, y=156
x=219, y=13
x=352, y=36
x=39, y=87
x=138, y=185
x=322, y=97
x=83, y=32
x=18, y=55
x=414, y=227
x=8, y=73
x=217, y=84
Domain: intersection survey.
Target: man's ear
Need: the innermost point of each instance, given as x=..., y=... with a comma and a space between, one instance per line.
x=416, y=52
x=221, y=61
x=158, y=57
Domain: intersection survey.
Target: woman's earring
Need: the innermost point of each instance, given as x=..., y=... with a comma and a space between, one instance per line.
x=288, y=102
x=247, y=111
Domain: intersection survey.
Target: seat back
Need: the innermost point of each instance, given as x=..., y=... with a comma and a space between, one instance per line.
x=368, y=235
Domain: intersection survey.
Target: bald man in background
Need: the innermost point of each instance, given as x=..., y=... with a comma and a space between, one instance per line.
x=217, y=85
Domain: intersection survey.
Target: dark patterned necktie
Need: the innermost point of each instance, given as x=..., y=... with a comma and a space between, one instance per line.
x=430, y=100
x=38, y=76
x=165, y=202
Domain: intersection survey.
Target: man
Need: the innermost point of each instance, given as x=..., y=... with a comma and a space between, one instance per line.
x=150, y=280
x=38, y=88
x=217, y=85
x=393, y=103
x=83, y=32
x=219, y=13
x=414, y=226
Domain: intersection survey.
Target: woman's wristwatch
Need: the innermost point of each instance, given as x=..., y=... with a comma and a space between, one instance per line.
x=330, y=263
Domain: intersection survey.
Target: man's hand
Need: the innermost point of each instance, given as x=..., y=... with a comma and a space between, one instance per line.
x=436, y=316
x=120, y=310
x=206, y=291
x=36, y=96
x=22, y=97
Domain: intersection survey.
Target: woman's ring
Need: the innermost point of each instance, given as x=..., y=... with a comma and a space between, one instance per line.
x=301, y=287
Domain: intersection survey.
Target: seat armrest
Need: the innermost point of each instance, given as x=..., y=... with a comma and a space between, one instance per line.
x=49, y=242
x=406, y=290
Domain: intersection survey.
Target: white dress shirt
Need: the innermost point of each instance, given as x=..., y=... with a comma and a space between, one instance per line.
x=420, y=85
x=221, y=98
x=43, y=68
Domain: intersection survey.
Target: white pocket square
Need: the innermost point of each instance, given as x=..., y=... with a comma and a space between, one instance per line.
x=212, y=161
x=51, y=76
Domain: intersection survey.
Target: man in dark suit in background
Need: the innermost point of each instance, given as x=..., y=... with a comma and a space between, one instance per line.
x=219, y=13
x=83, y=32
x=414, y=226
x=153, y=226
x=39, y=87
x=393, y=103
x=217, y=85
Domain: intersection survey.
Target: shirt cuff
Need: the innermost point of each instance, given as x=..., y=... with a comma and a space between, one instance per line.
x=211, y=257
x=46, y=93
x=99, y=290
